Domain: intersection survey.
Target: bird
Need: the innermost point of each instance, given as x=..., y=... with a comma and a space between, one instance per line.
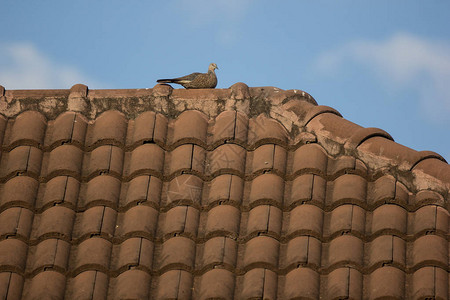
x=196, y=80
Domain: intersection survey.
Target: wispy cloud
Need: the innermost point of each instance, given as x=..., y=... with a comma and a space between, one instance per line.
x=23, y=66
x=226, y=14
x=403, y=61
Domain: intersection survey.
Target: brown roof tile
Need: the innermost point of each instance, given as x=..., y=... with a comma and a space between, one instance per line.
x=217, y=283
x=17, y=222
x=60, y=190
x=11, y=285
x=236, y=193
x=190, y=126
x=310, y=287
x=175, y=284
x=47, y=284
x=344, y=283
x=68, y=128
x=56, y=221
x=131, y=284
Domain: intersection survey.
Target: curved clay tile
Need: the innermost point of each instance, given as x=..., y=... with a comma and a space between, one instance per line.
x=28, y=129
x=97, y=281
x=389, y=218
x=268, y=187
x=19, y=191
x=434, y=168
x=230, y=126
x=224, y=219
x=177, y=251
x=57, y=221
x=346, y=164
x=264, y=219
x=315, y=111
x=104, y=160
x=346, y=219
x=348, y=188
x=191, y=125
x=65, y=160
x=132, y=253
x=303, y=250
x=228, y=157
x=387, y=282
x=389, y=152
x=345, y=250
x=255, y=258
x=308, y=290
x=69, y=127
x=306, y=219
x=15, y=284
x=109, y=128
x=140, y=220
x=16, y=221
x=149, y=127
x=263, y=129
x=95, y=221
x=383, y=189
x=332, y=127
x=345, y=283
x=226, y=188
x=209, y=289
x=430, y=282
x=386, y=250
x=219, y=251
x=429, y=219
x=143, y=189
x=428, y=196
x=148, y=157
x=310, y=158
x=175, y=284
x=259, y=284
x=269, y=157
x=181, y=220
x=104, y=189
x=359, y=136
x=132, y=284
x=13, y=255
x=63, y=190
x=185, y=187
x=92, y=253
x=22, y=160
x=187, y=157
x=47, y=284
x=50, y=253
x=306, y=188
x=430, y=250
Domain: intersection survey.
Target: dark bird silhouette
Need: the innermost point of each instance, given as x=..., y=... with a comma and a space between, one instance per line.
x=196, y=80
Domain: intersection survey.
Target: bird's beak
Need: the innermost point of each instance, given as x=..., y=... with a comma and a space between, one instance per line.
x=217, y=67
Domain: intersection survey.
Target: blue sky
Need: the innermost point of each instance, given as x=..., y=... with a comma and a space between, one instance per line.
x=382, y=64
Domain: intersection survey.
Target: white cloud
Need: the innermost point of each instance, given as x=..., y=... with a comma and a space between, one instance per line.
x=23, y=66
x=403, y=61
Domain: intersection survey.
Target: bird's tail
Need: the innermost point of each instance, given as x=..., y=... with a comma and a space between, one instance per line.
x=166, y=80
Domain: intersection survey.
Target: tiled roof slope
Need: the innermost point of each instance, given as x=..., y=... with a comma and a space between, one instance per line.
x=244, y=193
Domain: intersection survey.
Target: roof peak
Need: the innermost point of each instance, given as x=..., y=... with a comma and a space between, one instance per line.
x=161, y=98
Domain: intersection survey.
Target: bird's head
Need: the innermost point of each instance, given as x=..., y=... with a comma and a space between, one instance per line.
x=212, y=67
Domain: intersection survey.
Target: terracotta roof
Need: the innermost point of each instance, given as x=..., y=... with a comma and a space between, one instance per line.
x=244, y=193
